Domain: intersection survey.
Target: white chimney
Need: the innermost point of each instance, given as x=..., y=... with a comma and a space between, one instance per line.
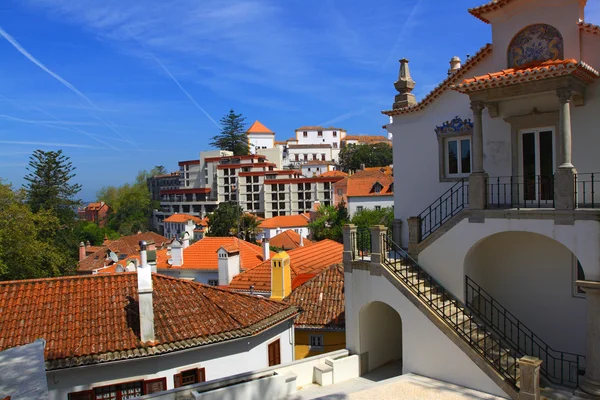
x=301, y=239
x=146, y=309
x=454, y=65
x=177, y=253
x=186, y=239
x=266, y=249
x=229, y=264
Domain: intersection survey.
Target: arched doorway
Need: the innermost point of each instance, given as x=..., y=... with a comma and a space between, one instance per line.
x=533, y=277
x=380, y=335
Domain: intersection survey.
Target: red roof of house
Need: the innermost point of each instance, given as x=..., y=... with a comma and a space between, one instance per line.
x=589, y=28
x=202, y=255
x=493, y=5
x=258, y=127
x=288, y=240
x=362, y=183
x=321, y=300
x=369, y=139
x=94, y=319
x=183, y=218
x=285, y=221
x=124, y=247
x=96, y=206
x=303, y=260
x=333, y=174
x=527, y=73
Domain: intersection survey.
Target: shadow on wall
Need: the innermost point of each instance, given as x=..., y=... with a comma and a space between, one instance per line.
x=380, y=336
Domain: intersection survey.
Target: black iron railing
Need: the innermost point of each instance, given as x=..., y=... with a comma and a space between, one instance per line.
x=361, y=244
x=587, y=185
x=449, y=308
x=559, y=367
x=536, y=191
x=445, y=207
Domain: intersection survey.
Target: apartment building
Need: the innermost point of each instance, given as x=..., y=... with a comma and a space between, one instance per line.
x=162, y=182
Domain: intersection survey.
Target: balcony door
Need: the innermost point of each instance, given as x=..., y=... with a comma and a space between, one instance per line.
x=537, y=164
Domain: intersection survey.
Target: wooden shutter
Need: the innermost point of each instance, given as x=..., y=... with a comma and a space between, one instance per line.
x=177, y=380
x=201, y=375
x=155, y=385
x=83, y=395
x=274, y=353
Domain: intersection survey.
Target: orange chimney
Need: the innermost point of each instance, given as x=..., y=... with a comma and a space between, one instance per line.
x=81, y=251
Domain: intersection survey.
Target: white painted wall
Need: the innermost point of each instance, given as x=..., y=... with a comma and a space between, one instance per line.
x=327, y=138
x=201, y=276
x=261, y=141
x=176, y=228
x=221, y=360
x=368, y=202
x=426, y=350
x=300, y=230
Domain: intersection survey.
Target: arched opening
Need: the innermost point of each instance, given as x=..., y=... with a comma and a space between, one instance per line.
x=539, y=42
x=380, y=335
x=532, y=277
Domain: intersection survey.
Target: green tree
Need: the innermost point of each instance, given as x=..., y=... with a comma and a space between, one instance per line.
x=90, y=231
x=158, y=170
x=48, y=185
x=371, y=155
x=28, y=240
x=249, y=226
x=367, y=217
x=328, y=222
x=224, y=220
x=233, y=135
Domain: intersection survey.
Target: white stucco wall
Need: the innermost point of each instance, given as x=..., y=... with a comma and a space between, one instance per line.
x=195, y=274
x=261, y=141
x=368, y=202
x=425, y=349
x=300, y=230
x=220, y=360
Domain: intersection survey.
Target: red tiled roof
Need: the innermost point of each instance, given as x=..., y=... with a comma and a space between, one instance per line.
x=258, y=127
x=386, y=170
x=94, y=319
x=127, y=245
x=445, y=84
x=333, y=174
x=493, y=5
x=288, y=240
x=528, y=73
x=95, y=206
x=285, y=221
x=589, y=28
x=202, y=255
x=322, y=300
x=303, y=260
x=189, y=162
x=363, y=182
x=370, y=139
x=183, y=218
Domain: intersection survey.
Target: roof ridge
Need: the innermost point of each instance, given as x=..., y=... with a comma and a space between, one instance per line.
x=62, y=278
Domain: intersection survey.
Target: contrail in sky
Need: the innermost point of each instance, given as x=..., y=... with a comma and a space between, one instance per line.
x=413, y=11
x=34, y=60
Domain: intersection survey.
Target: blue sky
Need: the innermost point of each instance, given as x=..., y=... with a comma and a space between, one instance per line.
x=123, y=85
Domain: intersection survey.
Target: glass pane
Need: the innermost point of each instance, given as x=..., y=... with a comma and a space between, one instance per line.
x=546, y=167
x=529, y=165
x=452, y=157
x=465, y=155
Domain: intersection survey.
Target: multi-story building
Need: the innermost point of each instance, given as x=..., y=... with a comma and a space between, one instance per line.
x=260, y=137
x=365, y=139
x=162, y=182
x=94, y=212
x=313, y=143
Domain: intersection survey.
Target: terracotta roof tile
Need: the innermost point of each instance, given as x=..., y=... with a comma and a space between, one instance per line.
x=589, y=28
x=363, y=183
x=94, y=319
x=258, y=127
x=288, y=240
x=202, y=255
x=183, y=218
x=285, y=221
x=530, y=72
x=370, y=139
x=303, y=260
x=333, y=173
x=445, y=84
x=493, y=5
x=322, y=300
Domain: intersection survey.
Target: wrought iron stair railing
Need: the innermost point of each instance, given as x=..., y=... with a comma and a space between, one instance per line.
x=558, y=367
x=475, y=332
x=445, y=207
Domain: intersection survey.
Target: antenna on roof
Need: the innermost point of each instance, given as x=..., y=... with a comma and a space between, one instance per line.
x=113, y=256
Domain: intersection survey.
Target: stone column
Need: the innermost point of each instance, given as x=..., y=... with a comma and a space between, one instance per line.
x=377, y=247
x=397, y=231
x=349, y=237
x=530, y=378
x=414, y=236
x=478, y=178
x=564, y=177
x=590, y=382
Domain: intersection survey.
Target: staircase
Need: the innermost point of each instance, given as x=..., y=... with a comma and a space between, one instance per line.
x=443, y=209
x=558, y=367
x=479, y=336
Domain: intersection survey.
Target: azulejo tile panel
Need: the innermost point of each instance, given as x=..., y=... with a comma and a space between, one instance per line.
x=539, y=42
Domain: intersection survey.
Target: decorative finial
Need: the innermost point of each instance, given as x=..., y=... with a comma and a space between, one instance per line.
x=404, y=85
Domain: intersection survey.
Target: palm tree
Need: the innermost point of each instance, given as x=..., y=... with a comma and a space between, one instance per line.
x=248, y=227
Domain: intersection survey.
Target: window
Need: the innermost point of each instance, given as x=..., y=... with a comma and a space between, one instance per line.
x=377, y=208
x=213, y=282
x=120, y=391
x=320, y=134
x=255, y=179
x=334, y=133
x=189, y=377
x=305, y=134
x=274, y=353
x=155, y=385
x=281, y=187
x=377, y=187
x=359, y=208
x=314, y=156
x=297, y=157
x=458, y=157
x=306, y=157
x=335, y=145
x=248, y=179
x=316, y=342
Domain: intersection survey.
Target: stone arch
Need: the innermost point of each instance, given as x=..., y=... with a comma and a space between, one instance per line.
x=532, y=276
x=539, y=42
x=380, y=330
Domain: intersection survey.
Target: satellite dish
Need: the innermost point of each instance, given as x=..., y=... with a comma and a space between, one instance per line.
x=170, y=261
x=113, y=256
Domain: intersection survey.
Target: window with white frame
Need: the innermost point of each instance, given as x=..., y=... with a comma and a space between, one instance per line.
x=458, y=156
x=316, y=342
x=454, y=139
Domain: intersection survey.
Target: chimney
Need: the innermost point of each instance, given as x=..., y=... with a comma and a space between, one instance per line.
x=81, y=251
x=87, y=243
x=362, y=167
x=229, y=263
x=454, y=65
x=266, y=249
x=106, y=241
x=281, y=277
x=404, y=85
x=177, y=253
x=151, y=255
x=145, y=290
x=185, y=237
x=301, y=239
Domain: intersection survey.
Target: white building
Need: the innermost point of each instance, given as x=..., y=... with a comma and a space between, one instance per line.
x=177, y=224
x=495, y=201
x=274, y=226
x=123, y=349
x=317, y=167
x=371, y=189
x=260, y=137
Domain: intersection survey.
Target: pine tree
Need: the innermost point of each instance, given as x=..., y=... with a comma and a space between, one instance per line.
x=48, y=186
x=233, y=135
